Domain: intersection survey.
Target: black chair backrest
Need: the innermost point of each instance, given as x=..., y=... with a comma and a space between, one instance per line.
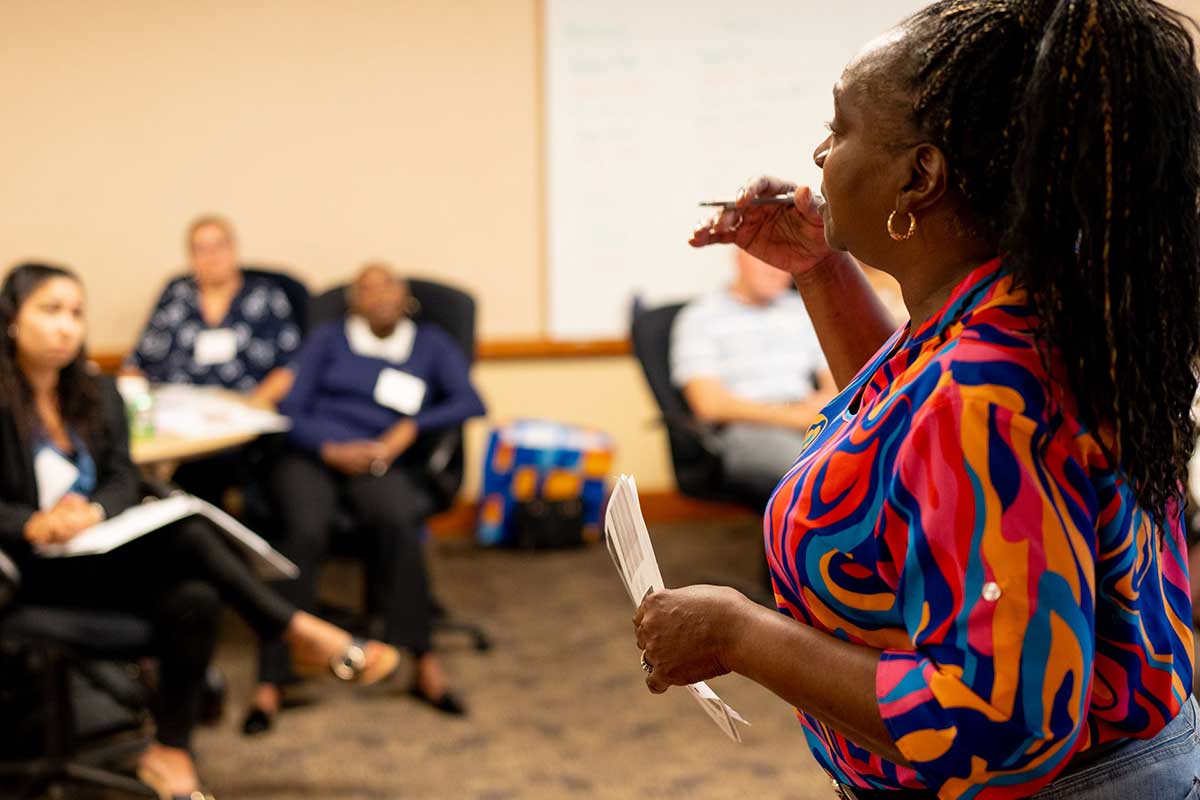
x=452, y=310
x=296, y=291
x=651, y=336
x=697, y=470
x=448, y=307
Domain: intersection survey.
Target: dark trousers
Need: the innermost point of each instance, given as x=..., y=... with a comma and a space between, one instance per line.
x=239, y=468
x=209, y=478
x=177, y=578
x=389, y=511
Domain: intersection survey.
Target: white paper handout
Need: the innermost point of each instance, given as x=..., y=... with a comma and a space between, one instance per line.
x=54, y=475
x=197, y=412
x=154, y=514
x=629, y=545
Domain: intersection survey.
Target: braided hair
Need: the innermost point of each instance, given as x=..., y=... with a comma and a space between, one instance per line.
x=78, y=394
x=1072, y=131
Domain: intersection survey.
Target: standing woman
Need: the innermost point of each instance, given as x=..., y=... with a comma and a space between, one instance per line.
x=979, y=555
x=177, y=577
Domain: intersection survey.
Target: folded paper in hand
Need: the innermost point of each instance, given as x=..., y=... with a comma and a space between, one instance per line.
x=631, y=551
x=154, y=514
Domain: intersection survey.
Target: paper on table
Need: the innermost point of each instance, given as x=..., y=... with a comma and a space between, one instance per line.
x=629, y=545
x=193, y=412
x=150, y=516
x=54, y=475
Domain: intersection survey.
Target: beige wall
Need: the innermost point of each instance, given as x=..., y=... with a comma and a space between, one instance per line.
x=329, y=132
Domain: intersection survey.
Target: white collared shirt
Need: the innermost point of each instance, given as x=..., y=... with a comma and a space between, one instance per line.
x=396, y=347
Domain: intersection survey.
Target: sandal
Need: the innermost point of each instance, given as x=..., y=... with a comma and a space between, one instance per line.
x=353, y=664
x=159, y=784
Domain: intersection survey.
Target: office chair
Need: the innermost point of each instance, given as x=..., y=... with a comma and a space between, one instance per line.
x=53, y=643
x=56, y=643
x=695, y=459
x=297, y=292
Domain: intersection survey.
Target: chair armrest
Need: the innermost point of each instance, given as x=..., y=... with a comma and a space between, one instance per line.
x=442, y=451
x=10, y=580
x=443, y=478
x=703, y=435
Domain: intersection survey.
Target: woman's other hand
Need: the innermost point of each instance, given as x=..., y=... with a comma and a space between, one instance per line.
x=274, y=387
x=70, y=516
x=399, y=438
x=352, y=458
x=74, y=514
x=687, y=634
x=788, y=237
x=41, y=529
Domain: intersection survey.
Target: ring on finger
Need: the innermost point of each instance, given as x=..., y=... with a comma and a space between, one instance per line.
x=646, y=665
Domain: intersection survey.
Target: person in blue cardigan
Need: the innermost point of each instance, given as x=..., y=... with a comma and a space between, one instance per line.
x=365, y=389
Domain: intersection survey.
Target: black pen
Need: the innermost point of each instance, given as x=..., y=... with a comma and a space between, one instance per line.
x=773, y=200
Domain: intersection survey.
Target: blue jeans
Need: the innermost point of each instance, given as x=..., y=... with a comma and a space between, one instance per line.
x=1166, y=767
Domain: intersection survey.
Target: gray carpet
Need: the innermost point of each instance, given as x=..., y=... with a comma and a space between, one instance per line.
x=557, y=710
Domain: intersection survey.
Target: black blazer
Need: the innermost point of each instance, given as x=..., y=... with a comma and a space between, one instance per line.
x=118, y=483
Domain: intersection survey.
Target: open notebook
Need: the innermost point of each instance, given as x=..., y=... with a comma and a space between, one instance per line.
x=152, y=515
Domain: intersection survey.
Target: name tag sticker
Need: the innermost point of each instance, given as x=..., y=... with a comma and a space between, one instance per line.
x=215, y=347
x=54, y=476
x=399, y=391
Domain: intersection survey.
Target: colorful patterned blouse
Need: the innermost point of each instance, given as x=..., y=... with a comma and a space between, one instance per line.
x=948, y=510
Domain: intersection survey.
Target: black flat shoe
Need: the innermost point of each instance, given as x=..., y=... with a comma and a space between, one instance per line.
x=448, y=703
x=257, y=722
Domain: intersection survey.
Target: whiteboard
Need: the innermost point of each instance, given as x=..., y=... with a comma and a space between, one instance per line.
x=654, y=105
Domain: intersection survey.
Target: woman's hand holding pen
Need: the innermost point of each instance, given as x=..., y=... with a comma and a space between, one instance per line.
x=789, y=237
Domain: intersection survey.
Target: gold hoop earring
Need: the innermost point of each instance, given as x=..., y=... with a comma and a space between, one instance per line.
x=900, y=237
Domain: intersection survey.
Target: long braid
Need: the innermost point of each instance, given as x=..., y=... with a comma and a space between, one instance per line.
x=1072, y=130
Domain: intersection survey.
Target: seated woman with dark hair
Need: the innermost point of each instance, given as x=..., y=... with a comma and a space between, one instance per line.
x=177, y=578
x=365, y=389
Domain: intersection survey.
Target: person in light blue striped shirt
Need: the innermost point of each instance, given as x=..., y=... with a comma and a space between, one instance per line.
x=748, y=362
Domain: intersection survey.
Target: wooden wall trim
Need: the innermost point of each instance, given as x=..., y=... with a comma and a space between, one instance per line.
x=107, y=362
x=515, y=349
x=489, y=350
